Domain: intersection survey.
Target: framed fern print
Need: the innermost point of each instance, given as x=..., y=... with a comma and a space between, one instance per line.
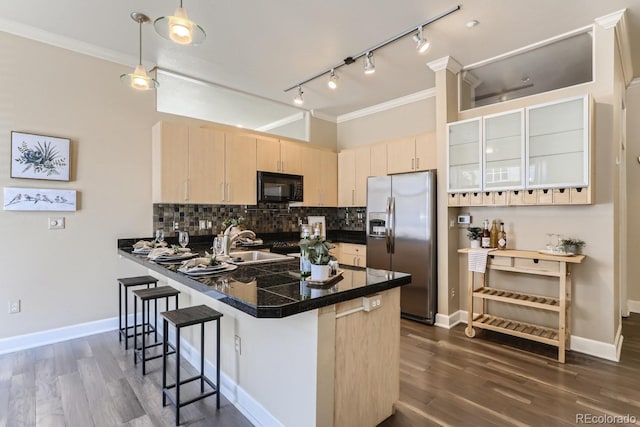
x=39, y=157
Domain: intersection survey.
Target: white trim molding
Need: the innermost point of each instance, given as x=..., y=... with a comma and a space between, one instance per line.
x=618, y=21
x=394, y=103
x=446, y=63
x=633, y=306
x=51, y=336
x=448, y=322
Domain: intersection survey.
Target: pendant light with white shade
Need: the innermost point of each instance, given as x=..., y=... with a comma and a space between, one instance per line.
x=139, y=79
x=179, y=28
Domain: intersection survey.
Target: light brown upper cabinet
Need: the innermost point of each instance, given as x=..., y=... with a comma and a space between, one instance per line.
x=320, y=177
x=240, y=170
x=186, y=163
x=279, y=155
x=202, y=166
x=354, y=167
x=379, y=159
x=411, y=154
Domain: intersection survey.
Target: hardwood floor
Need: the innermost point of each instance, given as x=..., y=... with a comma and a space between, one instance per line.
x=446, y=379
x=92, y=381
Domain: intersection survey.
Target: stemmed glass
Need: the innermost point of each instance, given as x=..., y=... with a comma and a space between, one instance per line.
x=183, y=238
x=159, y=236
x=217, y=246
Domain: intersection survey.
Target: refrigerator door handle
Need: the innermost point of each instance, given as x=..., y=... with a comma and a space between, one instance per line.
x=387, y=234
x=392, y=217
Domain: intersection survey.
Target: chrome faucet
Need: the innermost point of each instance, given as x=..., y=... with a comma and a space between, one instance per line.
x=228, y=238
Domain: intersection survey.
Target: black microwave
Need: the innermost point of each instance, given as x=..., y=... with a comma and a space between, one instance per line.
x=279, y=187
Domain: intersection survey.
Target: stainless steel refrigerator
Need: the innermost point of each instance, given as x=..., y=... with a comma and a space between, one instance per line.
x=401, y=236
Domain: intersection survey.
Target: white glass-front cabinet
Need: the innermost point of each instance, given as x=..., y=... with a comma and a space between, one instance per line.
x=558, y=144
x=504, y=151
x=464, y=156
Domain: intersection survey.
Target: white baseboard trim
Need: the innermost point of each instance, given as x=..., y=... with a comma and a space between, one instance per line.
x=599, y=349
x=243, y=401
x=633, y=306
x=51, y=336
x=448, y=322
x=246, y=404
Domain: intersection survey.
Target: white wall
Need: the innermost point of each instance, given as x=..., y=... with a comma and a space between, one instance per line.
x=406, y=120
x=633, y=190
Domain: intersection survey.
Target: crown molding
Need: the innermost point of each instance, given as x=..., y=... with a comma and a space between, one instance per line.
x=610, y=20
x=324, y=116
x=447, y=63
x=634, y=83
x=471, y=79
x=394, y=103
x=56, y=40
x=618, y=21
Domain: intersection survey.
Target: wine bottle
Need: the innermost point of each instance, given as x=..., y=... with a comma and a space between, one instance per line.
x=485, y=241
x=502, y=238
x=493, y=235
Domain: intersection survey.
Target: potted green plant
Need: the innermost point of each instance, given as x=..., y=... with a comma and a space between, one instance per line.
x=233, y=222
x=474, y=234
x=571, y=245
x=317, y=251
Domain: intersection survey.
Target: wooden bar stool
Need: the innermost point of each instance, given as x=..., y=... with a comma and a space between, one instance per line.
x=199, y=314
x=146, y=295
x=124, y=284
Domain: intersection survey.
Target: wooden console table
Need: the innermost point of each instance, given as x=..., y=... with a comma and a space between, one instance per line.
x=524, y=262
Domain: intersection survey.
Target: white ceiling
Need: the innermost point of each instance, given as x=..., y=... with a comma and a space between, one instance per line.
x=263, y=47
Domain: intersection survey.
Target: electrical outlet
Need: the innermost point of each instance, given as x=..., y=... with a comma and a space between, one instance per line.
x=238, y=344
x=202, y=224
x=453, y=293
x=176, y=226
x=372, y=302
x=14, y=307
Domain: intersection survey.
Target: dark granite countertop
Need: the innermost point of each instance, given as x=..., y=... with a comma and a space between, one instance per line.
x=271, y=290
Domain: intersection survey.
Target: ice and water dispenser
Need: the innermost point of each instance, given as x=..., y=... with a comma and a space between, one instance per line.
x=377, y=224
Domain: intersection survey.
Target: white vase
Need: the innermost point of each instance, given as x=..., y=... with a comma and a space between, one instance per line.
x=319, y=272
x=474, y=243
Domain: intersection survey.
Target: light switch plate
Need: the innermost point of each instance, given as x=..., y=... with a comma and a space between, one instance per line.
x=56, y=223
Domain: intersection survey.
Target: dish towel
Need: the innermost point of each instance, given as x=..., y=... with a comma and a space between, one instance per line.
x=478, y=260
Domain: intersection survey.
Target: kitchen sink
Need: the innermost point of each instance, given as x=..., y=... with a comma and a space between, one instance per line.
x=255, y=257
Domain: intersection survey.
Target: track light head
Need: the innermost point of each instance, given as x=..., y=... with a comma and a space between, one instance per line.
x=298, y=100
x=369, y=66
x=422, y=43
x=333, y=80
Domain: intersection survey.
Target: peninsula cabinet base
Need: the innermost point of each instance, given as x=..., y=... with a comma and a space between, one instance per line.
x=367, y=362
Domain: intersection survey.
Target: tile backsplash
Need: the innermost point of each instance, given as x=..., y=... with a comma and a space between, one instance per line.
x=263, y=218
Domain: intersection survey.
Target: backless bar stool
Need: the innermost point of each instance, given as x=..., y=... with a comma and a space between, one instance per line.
x=124, y=284
x=199, y=314
x=146, y=295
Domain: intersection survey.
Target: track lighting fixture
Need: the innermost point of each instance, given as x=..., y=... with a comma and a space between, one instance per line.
x=298, y=100
x=369, y=66
x=179, y=28
x=422, y=43
x=139, y=79
x=333, y=80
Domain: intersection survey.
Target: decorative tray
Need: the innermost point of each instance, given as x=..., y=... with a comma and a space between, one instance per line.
x=315, y=282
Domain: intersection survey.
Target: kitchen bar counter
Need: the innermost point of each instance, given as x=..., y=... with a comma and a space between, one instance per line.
x=272, y=289
x=296, y=355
